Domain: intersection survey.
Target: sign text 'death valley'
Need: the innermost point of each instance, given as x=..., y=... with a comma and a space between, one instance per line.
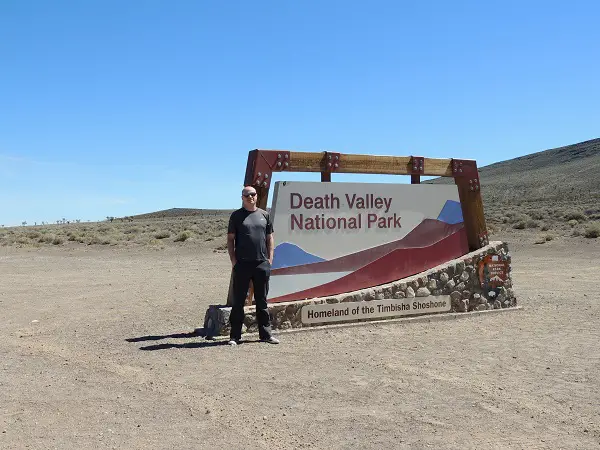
x=330, y=202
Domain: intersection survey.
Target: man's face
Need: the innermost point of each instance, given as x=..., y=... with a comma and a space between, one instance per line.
x=249, y=196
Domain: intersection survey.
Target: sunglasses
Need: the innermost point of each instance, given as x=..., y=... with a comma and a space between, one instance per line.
x=251, y=194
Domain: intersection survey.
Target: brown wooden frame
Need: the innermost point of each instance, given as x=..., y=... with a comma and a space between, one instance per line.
x=262, y=163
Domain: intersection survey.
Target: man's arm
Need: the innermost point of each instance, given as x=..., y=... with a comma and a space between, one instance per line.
x=231, y=247
x=270, y=247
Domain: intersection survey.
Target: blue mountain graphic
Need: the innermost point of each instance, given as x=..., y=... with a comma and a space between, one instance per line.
x=288, y=255
x=451, y=213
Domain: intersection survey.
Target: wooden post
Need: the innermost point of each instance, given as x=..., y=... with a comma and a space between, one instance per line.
x=325, y=176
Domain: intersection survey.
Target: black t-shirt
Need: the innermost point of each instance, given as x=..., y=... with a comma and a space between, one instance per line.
x=251, y=229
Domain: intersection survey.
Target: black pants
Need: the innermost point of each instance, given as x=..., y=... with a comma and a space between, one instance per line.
x=259, y=272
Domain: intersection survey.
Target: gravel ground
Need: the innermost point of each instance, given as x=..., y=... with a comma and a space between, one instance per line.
x=97, y=351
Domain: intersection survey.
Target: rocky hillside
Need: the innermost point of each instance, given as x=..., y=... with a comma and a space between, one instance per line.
x=556, y=189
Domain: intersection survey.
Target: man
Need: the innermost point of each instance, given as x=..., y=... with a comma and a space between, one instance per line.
x=250, y=246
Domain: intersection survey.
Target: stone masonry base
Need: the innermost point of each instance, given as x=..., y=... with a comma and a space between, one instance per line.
x=458, y=278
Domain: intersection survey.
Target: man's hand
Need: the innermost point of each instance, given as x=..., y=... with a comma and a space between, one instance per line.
x=231, y=248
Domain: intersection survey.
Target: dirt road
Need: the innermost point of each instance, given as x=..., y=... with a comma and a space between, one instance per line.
x=96, y=351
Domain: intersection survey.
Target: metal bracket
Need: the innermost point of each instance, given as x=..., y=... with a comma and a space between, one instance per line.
x=266, y=162
x=465, y=168
x=331, y=162
x=417, y=164
x=282, y=162
x=457, y=167
x=483, y=239
x=474, y=184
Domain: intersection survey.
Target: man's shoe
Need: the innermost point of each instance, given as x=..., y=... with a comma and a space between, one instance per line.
x=232, y=342
x=271, y=340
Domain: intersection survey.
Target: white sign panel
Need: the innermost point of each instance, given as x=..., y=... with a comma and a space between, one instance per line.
x=337, y=237
x=376, y=309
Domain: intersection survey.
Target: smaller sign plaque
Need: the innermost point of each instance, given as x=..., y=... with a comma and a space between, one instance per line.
x=493, y=272
x=376, y=309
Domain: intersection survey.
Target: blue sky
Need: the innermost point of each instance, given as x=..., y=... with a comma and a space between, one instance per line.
x=112, y=108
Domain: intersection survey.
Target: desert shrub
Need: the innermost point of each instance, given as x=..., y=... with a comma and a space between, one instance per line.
x=544, y=238
x=23, y=240
x=162, y=234
x=531, y=224
x=576, y=232
x=536, y=215
x=133, y=230
x=33, y=234
x=47, y=239
x=104, y=228
x=574, y=215
x=544, y=227
x=592, y=231
x=58, y=240
x=519, y=225
x=573, y=222
x=183, y=236
x=93, y=239
x=210, y=238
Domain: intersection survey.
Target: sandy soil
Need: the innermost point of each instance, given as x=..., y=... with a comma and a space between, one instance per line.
x=112, y=362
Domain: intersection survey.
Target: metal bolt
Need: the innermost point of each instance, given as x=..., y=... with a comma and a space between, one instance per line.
x=328, y=164
x=337, y=157
x=286, y=164
x=265, y=184
x=278, y=163
x=336, y=165
x=266, y=175
x=259, y=174
x=279, y=155
x=286, y=156
x=329, y=156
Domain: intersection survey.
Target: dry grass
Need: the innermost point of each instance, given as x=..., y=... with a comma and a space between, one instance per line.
x=140, y=232
x=544, y=222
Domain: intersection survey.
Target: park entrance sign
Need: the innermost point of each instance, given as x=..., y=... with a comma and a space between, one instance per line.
x=339, y=237
x=353, y=252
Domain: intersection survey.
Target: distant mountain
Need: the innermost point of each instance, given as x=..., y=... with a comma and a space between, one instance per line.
x=564, y=174
x=287, y=254
x=451, y=213
x=183, y=212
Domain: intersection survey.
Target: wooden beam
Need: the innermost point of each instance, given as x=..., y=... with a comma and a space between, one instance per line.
x=390, y=165
x=472, y=209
